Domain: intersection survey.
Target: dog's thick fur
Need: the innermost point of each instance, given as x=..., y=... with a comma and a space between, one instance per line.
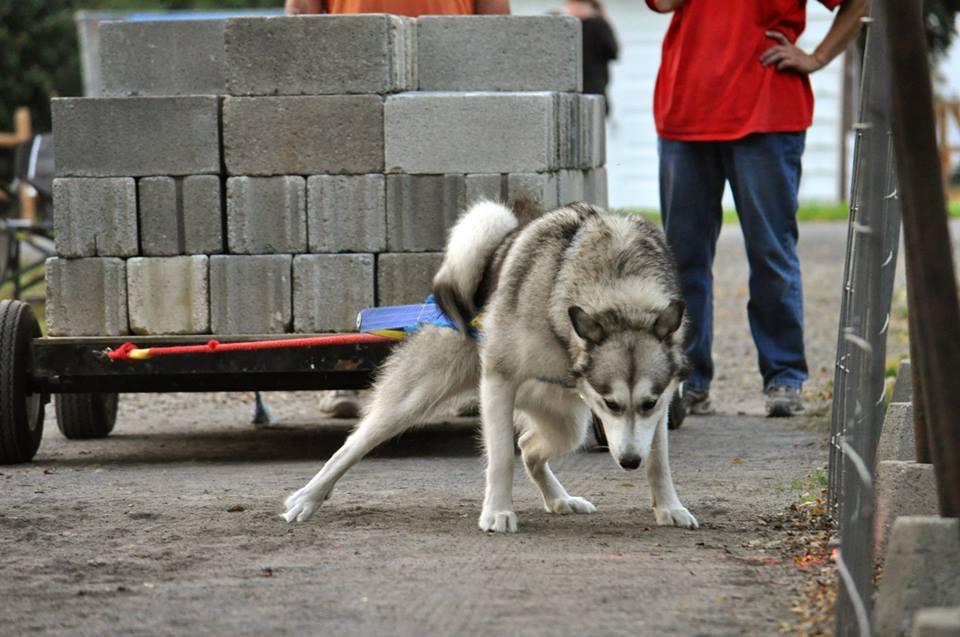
x=581, y=311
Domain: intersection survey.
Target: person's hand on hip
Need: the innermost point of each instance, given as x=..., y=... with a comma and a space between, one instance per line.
x=788, y=57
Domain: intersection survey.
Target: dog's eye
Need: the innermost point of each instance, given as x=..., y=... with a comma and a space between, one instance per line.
x=648, y=405
x=613, y=406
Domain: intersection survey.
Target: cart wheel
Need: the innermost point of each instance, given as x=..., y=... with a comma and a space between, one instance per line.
x=86, y=416
x=677, y=412
x=21, y=413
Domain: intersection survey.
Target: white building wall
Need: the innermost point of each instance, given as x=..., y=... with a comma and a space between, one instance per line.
x=631, y=136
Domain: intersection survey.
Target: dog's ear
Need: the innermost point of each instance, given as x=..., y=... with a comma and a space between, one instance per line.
x=585, y=325
x=669, y=320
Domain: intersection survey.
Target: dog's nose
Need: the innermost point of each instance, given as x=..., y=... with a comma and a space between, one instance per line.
x=630, y=462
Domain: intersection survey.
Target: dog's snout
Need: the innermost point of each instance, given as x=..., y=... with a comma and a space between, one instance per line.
x=630, y=462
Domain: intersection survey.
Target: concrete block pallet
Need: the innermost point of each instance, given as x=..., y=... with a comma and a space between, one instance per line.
x=271, y=175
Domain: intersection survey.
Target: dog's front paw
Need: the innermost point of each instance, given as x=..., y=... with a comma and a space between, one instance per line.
x=303, y=504
x=498, y=521
x=570, y=504
x=675, y=516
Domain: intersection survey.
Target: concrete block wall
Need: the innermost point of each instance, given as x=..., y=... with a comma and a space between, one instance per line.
x=270, y=175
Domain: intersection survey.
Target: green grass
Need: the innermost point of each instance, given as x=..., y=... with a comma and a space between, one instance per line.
x=809, y=212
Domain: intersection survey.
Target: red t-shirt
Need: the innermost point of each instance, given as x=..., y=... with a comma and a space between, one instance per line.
x=711, y=85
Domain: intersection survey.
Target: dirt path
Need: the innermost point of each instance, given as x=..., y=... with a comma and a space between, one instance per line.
x=170, y=526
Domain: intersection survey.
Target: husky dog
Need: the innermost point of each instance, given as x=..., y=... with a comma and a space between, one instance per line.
x=582, y=312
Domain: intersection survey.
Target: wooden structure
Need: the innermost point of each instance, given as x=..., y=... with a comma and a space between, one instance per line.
x=943, y=112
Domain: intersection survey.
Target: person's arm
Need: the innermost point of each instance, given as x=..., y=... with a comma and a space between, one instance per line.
x=491, y=7
x=788, y=57
x=297, y=7
x=665, y=6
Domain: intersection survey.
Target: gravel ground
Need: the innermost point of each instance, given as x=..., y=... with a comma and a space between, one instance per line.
x=170, y=526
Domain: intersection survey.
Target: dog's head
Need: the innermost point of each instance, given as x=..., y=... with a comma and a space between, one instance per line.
x=628, y=374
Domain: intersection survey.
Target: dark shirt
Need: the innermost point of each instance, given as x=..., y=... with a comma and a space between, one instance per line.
x=599, y=48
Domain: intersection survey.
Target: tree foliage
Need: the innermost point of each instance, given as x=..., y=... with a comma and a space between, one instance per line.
x=941, y=24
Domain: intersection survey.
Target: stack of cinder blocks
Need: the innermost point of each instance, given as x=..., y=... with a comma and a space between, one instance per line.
x=270, y=175
x=919, y=588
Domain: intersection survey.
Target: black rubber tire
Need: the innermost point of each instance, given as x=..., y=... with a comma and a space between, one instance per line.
x=677, y=414
x=86, y=416
x=21, y=413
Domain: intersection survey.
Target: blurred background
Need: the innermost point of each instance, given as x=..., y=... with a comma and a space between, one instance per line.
x=50, y=48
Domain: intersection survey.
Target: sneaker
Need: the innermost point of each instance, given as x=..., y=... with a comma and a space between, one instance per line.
x=339, y=403
x=783, y=401
x=696, y=402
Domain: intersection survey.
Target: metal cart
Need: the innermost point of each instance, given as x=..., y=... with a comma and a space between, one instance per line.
x=85, y=383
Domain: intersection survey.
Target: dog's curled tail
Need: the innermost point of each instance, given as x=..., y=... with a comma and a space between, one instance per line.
x=473, y=241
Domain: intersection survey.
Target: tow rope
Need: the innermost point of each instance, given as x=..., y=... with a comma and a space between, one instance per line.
x=376, y=325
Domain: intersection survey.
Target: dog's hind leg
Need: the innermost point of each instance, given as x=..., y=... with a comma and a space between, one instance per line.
x=666, y=505
x=433, y=366
x=553, y=422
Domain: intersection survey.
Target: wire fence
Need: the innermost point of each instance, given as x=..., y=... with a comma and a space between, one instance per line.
x=872, y=242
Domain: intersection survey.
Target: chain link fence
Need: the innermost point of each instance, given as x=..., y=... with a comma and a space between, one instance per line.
x=871, y=258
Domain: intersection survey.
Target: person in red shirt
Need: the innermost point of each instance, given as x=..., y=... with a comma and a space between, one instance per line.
x=732, y=104
x=411, y=8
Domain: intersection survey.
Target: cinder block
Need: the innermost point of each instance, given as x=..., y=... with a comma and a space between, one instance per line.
x=329, y=290
x=180, y=215
x=320, y=55
x=592, y=127
x=346, y=213
x=903, y=386
x=160, y=224
x=169, y=295
x=595, y=187
x=568, y=133
x=136, y=136
x=421, y=209
x=266, y=215
x=539, y=188
x=903, y=488
x=437, y=133
x=202, y=204
x=162, y=57
x=937, y=622
x=86, y=297
x=897, y=435
x=500, y=53
x=95, y=217
x=325, y=134
x=570, y=186
x=404, y=279
x=920, y=571
x=486, y=186
x=251, y=294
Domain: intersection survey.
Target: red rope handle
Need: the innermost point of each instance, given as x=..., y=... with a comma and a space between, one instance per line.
x=128, y=351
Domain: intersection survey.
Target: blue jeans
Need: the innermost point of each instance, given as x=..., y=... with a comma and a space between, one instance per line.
x=764, y=173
